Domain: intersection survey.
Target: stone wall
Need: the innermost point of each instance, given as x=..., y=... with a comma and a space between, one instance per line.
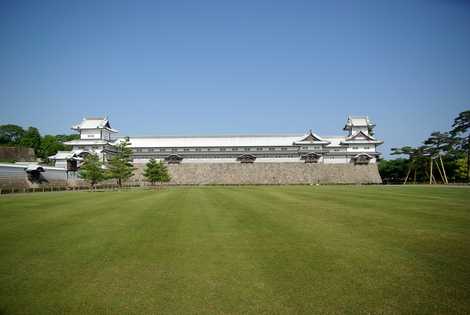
x=15, y=176
x=16, y=154
x=269, y=173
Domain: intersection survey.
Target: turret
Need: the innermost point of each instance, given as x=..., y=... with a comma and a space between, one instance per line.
x=354, y=124
x=94, y=129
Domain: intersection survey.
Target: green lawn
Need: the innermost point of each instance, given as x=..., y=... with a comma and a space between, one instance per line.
x=233, y=250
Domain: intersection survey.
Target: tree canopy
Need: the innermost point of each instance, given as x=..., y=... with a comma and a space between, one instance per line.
x=31, y=139
x=11, y=134
x=461, y=127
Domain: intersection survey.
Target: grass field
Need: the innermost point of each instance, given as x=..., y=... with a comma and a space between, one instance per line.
x=233, y=250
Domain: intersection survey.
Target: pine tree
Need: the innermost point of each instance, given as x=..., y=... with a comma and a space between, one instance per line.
x=440, y=142
x=92, y=170
x=120, y=165
x=156, y=172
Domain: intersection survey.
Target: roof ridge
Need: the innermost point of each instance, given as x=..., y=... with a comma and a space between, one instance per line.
x=95, y=118
x=218, y=136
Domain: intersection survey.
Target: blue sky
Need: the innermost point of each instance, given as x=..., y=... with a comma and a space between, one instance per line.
x=204, y=67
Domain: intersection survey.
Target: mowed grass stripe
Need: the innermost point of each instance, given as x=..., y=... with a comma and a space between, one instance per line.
x=300, y=258
x=404, y=262
x=68, y=256
x=212, y=272
x=286, y=249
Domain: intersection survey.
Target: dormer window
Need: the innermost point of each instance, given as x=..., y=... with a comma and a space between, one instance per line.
x=311, y=158
x=362, y=158
x=246, y=158
x=174, y=159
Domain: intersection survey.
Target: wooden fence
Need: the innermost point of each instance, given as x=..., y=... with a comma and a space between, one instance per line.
x=51, y=188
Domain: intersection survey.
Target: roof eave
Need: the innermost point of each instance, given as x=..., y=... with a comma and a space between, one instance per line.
x=312, y=143
x=361, y=142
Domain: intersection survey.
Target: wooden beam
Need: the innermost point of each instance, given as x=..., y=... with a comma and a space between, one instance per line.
x=439, y=169
x=430, y=172
x=407, y=174
x=444, y=170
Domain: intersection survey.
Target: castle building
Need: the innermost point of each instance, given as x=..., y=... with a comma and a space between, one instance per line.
x=358, y=146
x=95, y=138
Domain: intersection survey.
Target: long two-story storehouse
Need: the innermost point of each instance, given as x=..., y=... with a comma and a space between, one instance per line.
x=357, y=146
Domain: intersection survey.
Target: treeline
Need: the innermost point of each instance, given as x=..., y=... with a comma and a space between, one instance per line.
x=449, y=150
x=43, y=146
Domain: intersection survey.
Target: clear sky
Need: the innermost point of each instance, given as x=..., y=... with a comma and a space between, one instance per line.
x=245, y=66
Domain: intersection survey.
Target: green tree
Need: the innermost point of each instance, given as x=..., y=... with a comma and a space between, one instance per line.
x=92, y=170
x=50, y=145
x=461, y=168
x=417, y=160
x=440, y=142
x=407, y=150
x=64, y=138
x=156, y=172
x=120, y=165
x=461, y=127
x=393, y=171
x=11, y=134
x=31, y=139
